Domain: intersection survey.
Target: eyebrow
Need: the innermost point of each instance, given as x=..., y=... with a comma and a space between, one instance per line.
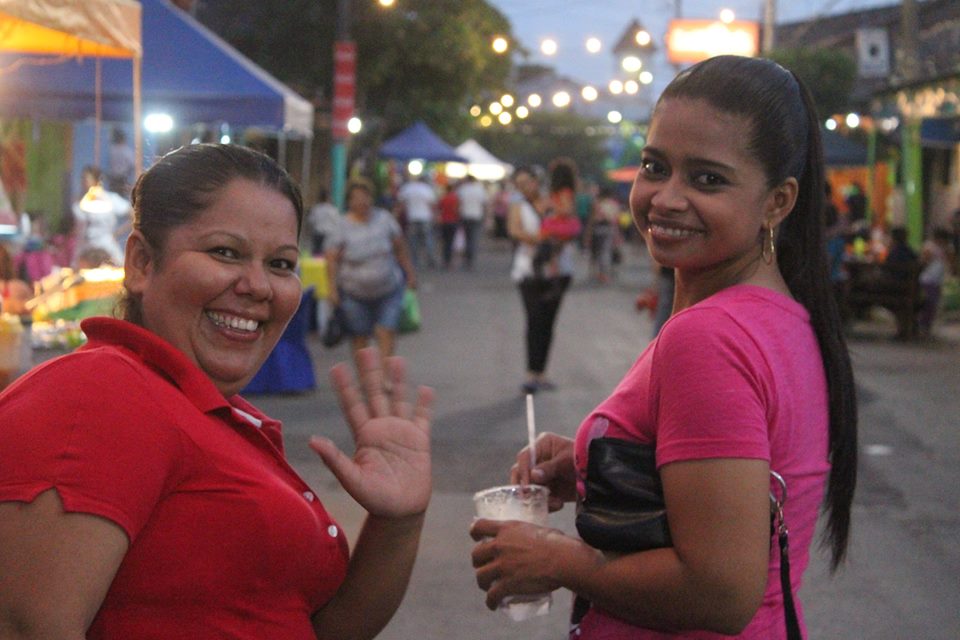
x=695, y=160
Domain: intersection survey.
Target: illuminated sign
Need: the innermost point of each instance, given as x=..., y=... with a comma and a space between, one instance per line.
x=696, y=40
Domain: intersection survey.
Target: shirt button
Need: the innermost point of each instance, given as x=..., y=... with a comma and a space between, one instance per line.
x=309, y=496
x=333, y=531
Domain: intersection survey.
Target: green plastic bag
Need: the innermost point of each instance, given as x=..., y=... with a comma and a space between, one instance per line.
x=410, y=317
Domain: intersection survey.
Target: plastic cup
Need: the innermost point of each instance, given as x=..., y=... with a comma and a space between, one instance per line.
x=526, y=503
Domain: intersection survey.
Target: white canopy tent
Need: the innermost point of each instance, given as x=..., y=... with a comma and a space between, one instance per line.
x=481, y=164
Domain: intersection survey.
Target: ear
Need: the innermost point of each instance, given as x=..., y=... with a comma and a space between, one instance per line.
x=138, y=263
x=780, y=202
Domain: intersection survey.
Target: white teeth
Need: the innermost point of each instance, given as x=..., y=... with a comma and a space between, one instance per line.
x=672, y=232
x=233, y=322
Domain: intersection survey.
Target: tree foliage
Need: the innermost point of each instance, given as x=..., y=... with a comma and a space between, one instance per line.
x=548, y=135
x=421, y=60
x=829, y=74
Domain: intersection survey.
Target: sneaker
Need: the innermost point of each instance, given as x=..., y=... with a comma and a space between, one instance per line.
x=529, y=387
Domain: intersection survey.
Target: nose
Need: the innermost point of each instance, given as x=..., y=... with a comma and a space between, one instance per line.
x=670, y=195
x=254, y=281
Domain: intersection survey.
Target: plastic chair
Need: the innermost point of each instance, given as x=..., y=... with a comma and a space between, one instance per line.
x=289, y=367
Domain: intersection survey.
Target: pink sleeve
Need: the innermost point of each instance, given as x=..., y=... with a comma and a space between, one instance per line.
x=73, y=426
x=710, y=388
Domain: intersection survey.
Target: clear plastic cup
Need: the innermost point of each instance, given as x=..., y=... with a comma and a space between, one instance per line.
x=527, y=503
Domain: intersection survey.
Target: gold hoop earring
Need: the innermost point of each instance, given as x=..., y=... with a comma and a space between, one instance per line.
x=768, y=242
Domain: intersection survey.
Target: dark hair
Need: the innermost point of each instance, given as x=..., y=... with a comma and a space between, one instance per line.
x=786, y=141
x=898, y=235
x=563, y=175
x=185, y=182
x=92, y=171
x=360, y=183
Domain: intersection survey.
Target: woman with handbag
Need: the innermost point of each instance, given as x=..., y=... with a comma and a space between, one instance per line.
x=369, y=268
x=749, y=376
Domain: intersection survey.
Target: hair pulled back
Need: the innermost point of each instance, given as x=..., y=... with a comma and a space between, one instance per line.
x=185, y=182
x=785, y=140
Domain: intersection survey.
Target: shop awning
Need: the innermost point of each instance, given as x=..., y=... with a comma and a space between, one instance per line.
x=104, y=28
x=188, y=73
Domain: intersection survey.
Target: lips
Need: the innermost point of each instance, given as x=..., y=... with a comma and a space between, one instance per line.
x=233, y=322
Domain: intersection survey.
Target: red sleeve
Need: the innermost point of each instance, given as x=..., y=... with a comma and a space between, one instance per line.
x=710, y=390
x=87, y=425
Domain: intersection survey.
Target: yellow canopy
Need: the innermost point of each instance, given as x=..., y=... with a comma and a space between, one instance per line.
x=95, y=28
x=105, y=28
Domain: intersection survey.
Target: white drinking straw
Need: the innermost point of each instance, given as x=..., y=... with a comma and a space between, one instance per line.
x=531, y=432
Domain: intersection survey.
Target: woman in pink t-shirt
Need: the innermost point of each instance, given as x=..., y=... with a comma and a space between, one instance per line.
x=750, y=375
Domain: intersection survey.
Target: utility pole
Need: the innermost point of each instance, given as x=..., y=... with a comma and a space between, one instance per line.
x=344, y=91
x=769, y=24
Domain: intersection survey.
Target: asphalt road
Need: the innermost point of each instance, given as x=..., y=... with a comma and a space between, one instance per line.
x=902, y=579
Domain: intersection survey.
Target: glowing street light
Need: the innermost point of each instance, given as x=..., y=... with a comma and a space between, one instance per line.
x=505, y=118
x=522, y=112
x=853, y=120
x=500, y=44
x=594, y=45
x=561, y=99
x=727, y=16
x=631, y=87
x=614, y=117
x=646, y=77
x=616, y=87
x=354, y=125
x=415, y=167
x=534, y=100
x=642, y=38
x=387, y=3
x=548, y=47
x=631, y=64
x=486, y=121
x=507, y=100
x=476, y=110
x=158, y=123
x=589, y=93
x=496, y=108
x=830, y=124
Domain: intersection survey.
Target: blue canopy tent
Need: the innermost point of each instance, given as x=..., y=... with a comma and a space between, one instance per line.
x=419, y=142
x=841, y=151
x=188, y=72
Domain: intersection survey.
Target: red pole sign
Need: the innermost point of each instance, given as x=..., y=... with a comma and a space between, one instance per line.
x=344, y=86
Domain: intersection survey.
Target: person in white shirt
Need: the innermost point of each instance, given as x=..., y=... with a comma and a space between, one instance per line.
x=323, y=218
x=99, y=214
x=473, y=206
x=419, y=202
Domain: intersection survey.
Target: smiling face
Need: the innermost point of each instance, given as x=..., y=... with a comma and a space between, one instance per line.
x=224, y=285
x=700, y=199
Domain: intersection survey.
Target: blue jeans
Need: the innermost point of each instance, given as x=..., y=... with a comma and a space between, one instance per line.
x=361, y=316
x=421, y=241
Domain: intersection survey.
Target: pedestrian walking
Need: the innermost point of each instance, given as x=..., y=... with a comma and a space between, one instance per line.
x=419, y=203
x=474, y=202
x=449, y=209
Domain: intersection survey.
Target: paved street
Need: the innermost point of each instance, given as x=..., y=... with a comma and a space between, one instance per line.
x=903, y=576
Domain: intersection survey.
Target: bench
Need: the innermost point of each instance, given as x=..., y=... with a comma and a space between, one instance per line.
x=895, y=287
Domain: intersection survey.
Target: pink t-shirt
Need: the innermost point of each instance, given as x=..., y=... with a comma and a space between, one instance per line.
x=738, y=375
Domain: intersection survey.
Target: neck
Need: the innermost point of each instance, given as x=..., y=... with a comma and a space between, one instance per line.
x=695, y=286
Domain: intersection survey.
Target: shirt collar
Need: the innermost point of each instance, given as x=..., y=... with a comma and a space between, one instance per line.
x=157, y=354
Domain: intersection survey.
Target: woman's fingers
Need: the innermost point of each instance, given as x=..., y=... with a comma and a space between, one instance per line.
x=371, y=379
x=349, y=396
x=397, y=375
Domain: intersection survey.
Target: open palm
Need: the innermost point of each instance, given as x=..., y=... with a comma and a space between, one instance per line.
x=389, y=472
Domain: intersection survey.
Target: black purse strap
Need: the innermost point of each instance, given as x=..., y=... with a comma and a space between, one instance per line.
x=779, y=526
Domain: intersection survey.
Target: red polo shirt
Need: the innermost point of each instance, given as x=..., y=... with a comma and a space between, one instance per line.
x=226, y=540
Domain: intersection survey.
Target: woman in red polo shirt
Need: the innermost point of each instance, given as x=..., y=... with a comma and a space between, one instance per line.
x=141, y=497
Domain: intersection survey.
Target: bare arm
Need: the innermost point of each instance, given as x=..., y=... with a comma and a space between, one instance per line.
x=55, y=568
x=515, y=226
x=402, y=253
x=712, y=578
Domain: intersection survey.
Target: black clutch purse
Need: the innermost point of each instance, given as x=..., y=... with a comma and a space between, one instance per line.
x=623, y=507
